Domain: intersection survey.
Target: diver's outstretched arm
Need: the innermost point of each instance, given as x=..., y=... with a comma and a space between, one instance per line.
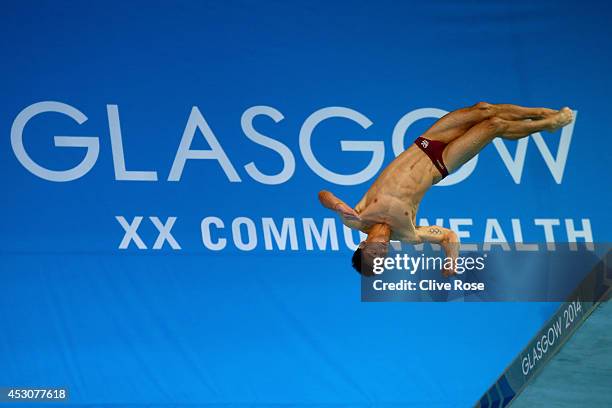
x=329, y=200
x=447, y=238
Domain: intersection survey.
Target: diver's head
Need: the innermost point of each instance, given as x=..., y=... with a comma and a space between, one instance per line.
x=363, y=258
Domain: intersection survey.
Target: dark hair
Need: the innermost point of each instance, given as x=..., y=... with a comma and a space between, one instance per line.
x=363, y=257
x=357, y=260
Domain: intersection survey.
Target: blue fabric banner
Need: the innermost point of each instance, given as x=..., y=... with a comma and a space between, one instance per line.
x=162, y=243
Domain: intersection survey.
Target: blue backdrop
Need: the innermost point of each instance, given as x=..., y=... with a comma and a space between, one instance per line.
x=228, y=307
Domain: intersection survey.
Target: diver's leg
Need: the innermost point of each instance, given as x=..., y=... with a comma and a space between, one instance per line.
x=471, y=142
x=456, y=123
x=516, y=112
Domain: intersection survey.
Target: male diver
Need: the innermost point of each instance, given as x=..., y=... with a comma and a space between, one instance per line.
x=388, y=209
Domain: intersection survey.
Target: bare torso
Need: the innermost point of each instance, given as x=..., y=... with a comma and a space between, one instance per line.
x=394, y=197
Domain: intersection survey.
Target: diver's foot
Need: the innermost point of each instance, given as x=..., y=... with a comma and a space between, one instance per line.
x=562, y=118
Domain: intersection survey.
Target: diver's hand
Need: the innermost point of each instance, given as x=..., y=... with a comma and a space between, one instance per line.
x=346, y=212
x=448, y=272
x=339, y=207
